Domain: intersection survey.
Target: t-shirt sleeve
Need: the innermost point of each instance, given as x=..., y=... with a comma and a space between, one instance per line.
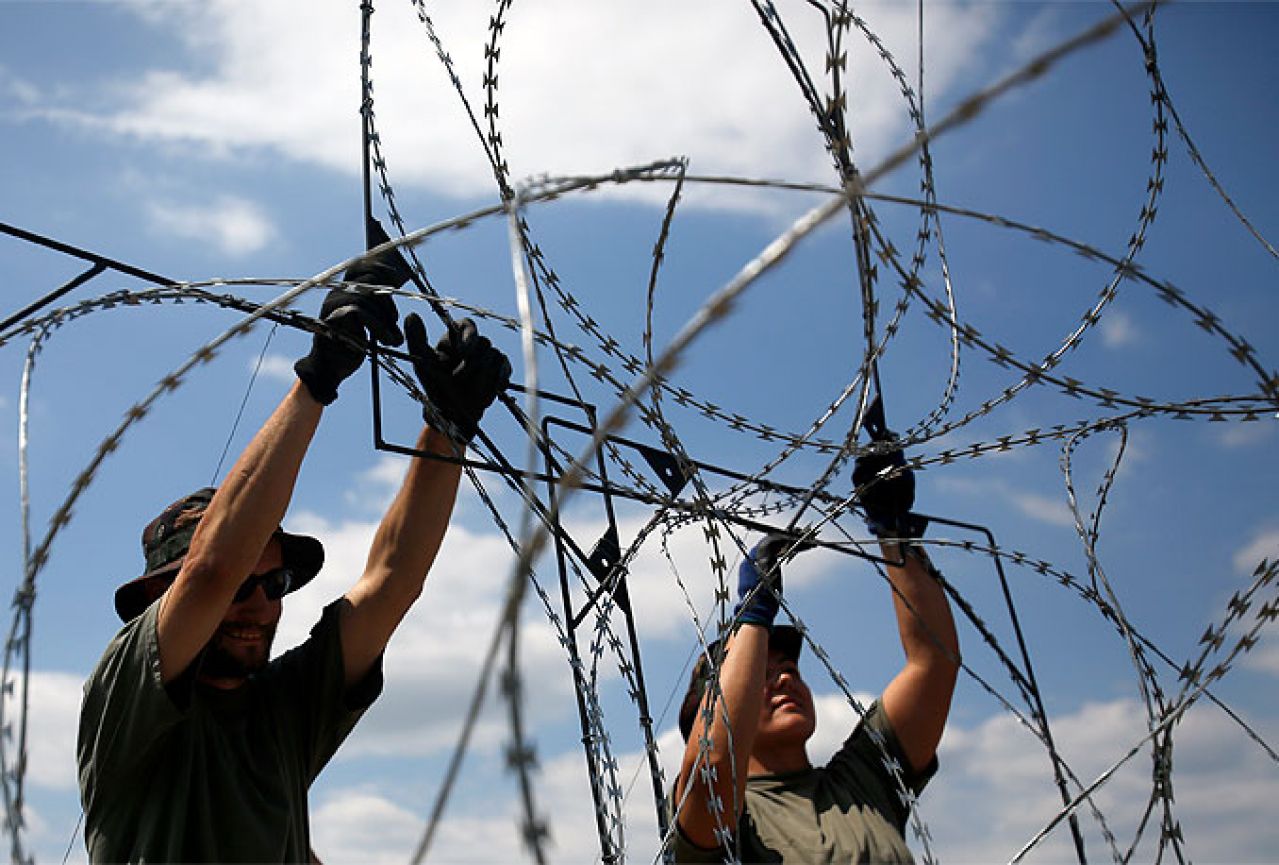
x=682, y=847
x=685, y=850
x=872, y=758
x=309, y=683
x=126, y=708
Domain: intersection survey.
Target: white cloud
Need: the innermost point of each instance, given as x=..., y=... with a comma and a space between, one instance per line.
x=662, y=588
x=236, y=226
x=15, y=88
x=1264, y=546
x=374, y=488
x=583, y=87
x=433, y=661
x=1264, y=658
x=54, y=710
x=1240, y=435
x=835, y=720
x=434, y=658
x=1138, y=450
x=360, y=826
x=1050, y=510
x=1044, y=509
x=276, y=367
x=1042, y=33
x=561, y=792
x=1118, y=330
x=994, y=791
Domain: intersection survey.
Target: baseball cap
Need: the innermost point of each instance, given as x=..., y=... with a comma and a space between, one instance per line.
x=785, y=638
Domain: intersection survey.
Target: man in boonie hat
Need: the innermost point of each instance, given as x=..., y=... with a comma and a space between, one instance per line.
x=746, y=790
x=194, y=744
x=165, y=543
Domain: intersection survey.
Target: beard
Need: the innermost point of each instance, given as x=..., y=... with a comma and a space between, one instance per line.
x=221, y=662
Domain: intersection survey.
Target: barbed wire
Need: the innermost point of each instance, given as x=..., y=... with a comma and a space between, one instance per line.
x=640, y=390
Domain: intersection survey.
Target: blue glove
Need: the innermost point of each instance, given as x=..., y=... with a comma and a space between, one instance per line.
x=761, y=568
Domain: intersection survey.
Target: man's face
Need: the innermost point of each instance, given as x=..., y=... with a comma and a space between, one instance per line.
x=787, y=714
x=242, y=643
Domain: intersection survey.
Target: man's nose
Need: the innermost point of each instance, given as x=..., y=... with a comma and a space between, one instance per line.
x=257, y=598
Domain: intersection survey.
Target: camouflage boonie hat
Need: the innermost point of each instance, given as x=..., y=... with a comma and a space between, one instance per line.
x=165, y=544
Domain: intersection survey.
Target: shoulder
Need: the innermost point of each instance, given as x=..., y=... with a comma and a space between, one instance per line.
x=131, y=659
x=874, y=754
x=323, y=644
x=312, y=672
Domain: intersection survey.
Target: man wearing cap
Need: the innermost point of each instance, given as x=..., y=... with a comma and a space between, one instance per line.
x=746, y=789
x=195, y=746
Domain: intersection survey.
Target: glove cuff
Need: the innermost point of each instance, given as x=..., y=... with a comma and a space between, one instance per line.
x=762, y=609
x=461, y=432
x=908, y=526
x=754, y=615
x=317, y=380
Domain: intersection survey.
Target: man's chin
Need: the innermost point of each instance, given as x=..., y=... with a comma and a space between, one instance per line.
x=795, y=721
x=223, y=662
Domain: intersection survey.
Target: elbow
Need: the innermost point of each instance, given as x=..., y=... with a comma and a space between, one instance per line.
x=945, y=661
x=939, y=664
x=397, y=585
x=201, y=568
x=933, y=651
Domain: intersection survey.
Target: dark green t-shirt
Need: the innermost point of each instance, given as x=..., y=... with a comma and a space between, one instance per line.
x=849, y=810
x=190, y=773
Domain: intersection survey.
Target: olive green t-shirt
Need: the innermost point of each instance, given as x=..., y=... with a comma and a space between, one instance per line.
x=849, y=810
x=191, y=773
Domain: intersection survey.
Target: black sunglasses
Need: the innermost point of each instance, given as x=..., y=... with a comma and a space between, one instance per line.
x=275, y=583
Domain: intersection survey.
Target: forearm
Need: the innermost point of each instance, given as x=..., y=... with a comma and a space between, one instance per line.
x=252, y=500
x=403, y=550
x=234, y=531
x=917, y=701
x=410, y=534
x=924, y=620
x=731, y=732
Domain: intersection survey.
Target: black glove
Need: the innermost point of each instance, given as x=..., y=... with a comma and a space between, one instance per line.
x=762, y=564
x=462, y=375
x=887, y=502
x=358, y=314
x=388, y=268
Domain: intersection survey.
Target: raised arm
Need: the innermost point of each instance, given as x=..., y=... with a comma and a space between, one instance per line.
x=721, y=776
x=250, y=503
x=462, y=375
x=917, y=700
x=234, y=530
x=718, y=783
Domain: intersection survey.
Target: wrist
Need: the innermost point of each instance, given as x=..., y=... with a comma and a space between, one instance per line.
x=761, y=611
x=905, y=526
x=437, y=441
x=314, y=380
x=459, y=434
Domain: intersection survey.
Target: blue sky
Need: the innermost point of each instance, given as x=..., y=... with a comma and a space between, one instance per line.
x=220, y=141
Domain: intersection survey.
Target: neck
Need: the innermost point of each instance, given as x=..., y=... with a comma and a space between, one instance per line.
x=777, y=761
x=220, y=682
